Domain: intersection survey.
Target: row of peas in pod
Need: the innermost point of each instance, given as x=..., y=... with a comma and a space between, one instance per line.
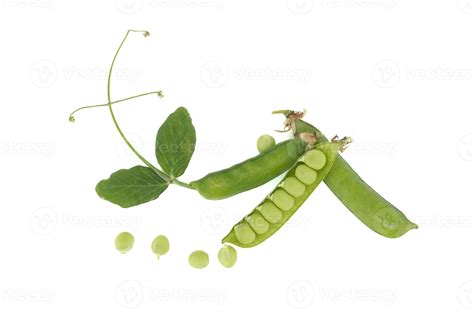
x=287, y=197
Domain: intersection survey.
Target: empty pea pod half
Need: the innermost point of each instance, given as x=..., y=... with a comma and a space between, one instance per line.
x=253, y=172
x=362, y=200
x=278, y=207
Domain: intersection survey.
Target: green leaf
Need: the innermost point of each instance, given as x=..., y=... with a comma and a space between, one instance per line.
x=131, y=187
x=175, y=142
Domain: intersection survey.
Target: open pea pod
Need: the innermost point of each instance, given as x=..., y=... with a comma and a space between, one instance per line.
x=362, y=200
x=278, y=207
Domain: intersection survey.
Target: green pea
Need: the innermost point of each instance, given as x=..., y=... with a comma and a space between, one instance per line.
x=160, y=245
x=199, y=259
x=244, y=233
x=258, y=223
x=293, y=186
x=282, y=200
x=306, y=174
x=315, y=159
x=270, y=212
x=265, y=142
x=227, y=256
x=124, y=242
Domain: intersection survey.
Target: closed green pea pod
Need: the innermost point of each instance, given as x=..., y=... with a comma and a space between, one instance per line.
x=252, y=172
x=362, y=200
x=280, y=205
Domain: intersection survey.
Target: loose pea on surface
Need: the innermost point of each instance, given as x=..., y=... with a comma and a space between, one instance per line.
x=199, y=259
x=270, y=212
x=227, y=256
x=160, y=245
x=315, y=159
x=244, y=233
x=306, y=174
x=265, y=142
x=282, y=200
x=293, y=186
x=124, y=242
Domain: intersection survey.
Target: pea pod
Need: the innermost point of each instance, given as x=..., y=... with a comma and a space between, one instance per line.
x=278, y=207
x=251, y=173
x=362, y=200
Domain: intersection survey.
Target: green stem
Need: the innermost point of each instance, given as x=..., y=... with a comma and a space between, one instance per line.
x=156, y=170
x=73, y=119
x=182, y=184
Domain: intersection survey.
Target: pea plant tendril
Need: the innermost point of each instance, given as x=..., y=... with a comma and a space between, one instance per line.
x=168, y=179
x=72, y=118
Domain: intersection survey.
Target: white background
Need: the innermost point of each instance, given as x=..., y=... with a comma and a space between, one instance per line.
x=394, y=75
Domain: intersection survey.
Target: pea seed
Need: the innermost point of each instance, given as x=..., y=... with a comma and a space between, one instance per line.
x=306, y=174
x=227, y=256
x=270, y=212
x=258, y=223
x=198, y=259
x=124, y=242
x=244, y=233
x=282, y=200
x=315, y=159
x=160, y=245
x=265, y=142
x=293, y=186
